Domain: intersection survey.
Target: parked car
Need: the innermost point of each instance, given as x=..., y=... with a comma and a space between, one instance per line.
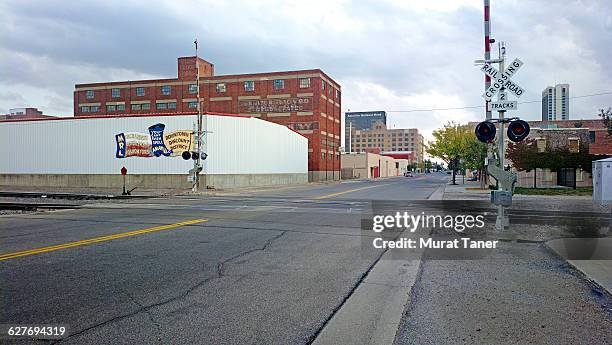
x=408, y=174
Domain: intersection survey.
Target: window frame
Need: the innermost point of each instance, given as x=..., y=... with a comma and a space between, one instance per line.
x=164, y=88
x=279, y=84
x=136, y=107
x=85, y=109
x=221, y=87
x=194, y=90
x=159, y=106
x=138, y=89
x=303, y=85
x=249, y=82
x=89, y=94
x=111, y=107
x=118, y=92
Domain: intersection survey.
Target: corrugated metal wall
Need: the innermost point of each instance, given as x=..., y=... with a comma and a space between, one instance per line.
x=236, y=145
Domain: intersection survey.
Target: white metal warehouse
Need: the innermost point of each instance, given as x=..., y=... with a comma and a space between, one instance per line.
x=90, y=152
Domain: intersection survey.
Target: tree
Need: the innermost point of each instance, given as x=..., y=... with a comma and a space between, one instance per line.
x=525, y=156
x=453, y=142
x=606, y=115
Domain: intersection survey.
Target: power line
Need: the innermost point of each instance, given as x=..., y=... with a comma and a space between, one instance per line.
x=482, y=106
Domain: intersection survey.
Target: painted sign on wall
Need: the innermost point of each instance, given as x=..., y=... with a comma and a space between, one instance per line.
x=275, y=105
x=155, y=144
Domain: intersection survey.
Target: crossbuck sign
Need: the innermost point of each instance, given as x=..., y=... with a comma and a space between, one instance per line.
x=500, y=80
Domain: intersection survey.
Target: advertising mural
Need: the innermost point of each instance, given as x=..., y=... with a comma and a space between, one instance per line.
x=155, y=144
x=275, y=105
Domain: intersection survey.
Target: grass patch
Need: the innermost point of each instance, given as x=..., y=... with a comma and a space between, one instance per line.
x=554, y=191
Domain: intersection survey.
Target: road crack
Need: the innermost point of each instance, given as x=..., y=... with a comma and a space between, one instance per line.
x=141, y=308
x=220, y=265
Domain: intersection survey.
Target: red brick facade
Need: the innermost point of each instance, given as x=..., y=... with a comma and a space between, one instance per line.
x=307, y=101
x=600, y=142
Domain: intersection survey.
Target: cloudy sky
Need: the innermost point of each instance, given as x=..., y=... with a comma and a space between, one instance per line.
x=393, y=55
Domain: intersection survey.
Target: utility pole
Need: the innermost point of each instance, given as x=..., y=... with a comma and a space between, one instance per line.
x=197, y=161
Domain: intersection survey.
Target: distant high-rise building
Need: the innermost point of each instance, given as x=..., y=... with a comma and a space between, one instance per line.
x=555, y=103
x=361, y=120
x=381, y=139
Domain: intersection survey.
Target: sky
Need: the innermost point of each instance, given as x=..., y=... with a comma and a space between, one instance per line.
x=392, y=55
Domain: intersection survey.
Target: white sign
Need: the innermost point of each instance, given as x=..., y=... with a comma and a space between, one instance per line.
x=500, y=80
x=505, y=105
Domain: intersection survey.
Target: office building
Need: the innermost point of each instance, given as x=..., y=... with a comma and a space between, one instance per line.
x=555, y=103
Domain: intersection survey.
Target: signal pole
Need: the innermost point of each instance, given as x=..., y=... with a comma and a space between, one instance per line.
x=487, y=50
x=502, y=219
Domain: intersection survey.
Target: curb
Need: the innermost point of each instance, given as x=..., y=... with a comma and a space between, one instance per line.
x=438, y=194
x=598, y=272
x=373, y=311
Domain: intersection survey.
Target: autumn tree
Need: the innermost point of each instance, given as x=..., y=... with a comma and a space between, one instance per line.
x=455, y=142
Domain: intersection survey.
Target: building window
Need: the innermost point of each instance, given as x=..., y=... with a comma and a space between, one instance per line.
x=304, y=83
x=279, y=84
x=85, y=109
x=140, y=91
x=90, y=94
x=94, y=108
x=338, y=94
x=323, y=155
x=249, y=85
x=146, y=106
x=165, y=90
x=110, y=108
x=162, y=105
x=193, y=88
x=135, y=107
x=221, y=87
x=322, y=84
x=172, y=105
x=192, y=105
x=592, y=137
x=120, y=107
x=115, y=92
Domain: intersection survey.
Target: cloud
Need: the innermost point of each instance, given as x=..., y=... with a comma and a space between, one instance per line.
x=387, y=55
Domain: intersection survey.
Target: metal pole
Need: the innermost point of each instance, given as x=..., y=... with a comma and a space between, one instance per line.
x=196, y=162
x=487, y=50
x=501, y=221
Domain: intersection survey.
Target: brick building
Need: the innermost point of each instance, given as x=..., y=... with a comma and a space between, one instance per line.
x=381, y=139
x=24, y=114
x=600, y=143
x=308, y=101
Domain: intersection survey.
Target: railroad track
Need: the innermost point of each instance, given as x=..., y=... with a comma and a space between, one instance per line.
x=68, y=196
x=30, y=206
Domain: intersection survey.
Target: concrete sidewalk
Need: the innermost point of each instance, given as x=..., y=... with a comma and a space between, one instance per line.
x=591, y=256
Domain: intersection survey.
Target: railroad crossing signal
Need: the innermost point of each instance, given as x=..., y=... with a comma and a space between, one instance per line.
x=502, y=80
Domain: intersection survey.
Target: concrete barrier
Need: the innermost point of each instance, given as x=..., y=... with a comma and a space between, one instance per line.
x=148, y=181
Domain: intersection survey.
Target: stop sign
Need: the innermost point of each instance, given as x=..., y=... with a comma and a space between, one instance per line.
x=123, y=171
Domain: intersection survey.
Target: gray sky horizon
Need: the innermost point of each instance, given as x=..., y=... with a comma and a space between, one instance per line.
x=388, y=55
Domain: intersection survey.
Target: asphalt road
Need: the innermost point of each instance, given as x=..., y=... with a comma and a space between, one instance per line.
x=264, y=266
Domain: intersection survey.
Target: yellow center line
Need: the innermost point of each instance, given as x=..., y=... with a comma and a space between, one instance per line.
x=351, y=190
x=97, y=239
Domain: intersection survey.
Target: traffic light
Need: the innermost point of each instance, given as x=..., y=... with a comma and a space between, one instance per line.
x=518, y=130
x=485, y=131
